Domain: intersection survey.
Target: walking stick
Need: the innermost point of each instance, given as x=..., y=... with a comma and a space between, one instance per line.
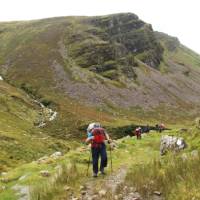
x=89, y=163
x=111, y=160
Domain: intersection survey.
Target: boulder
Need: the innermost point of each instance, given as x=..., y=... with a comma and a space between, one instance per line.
x=102, y=193
x=4, y=173
x=45, y=173
x=56, y=155
x=82, y=187
x=171, y=143
x=157, y=193
x=66, y=188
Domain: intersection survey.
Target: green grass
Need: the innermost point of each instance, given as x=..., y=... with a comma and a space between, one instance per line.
x=175, y=177
x=142, y=158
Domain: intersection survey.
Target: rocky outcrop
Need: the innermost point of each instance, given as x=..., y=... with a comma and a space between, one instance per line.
x=171, y=143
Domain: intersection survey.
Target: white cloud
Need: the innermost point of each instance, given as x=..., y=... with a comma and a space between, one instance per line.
x=176, y=17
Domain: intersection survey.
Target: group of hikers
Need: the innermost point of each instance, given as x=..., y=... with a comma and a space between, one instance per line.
x=97, y=137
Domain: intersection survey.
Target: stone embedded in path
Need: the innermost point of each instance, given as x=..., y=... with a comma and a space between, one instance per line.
x=83, y=192
x=82, y=187
x=75, y=198
x=67, y=188
x=157, y=193
x=102, y=193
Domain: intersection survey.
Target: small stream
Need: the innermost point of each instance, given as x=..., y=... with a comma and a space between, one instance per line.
x=47, y=114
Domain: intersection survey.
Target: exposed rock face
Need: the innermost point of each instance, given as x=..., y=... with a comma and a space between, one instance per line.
x=171, y=143
x=120, y=38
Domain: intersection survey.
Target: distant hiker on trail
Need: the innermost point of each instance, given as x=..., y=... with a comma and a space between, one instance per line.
x=146, y=129
x=97, y=137
x=138, y=133
x=161, y=127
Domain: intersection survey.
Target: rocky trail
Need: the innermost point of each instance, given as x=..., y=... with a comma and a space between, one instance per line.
x=112, y=187
x=107, y=188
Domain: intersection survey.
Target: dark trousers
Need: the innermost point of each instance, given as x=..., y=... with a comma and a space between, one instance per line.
x=96, y=152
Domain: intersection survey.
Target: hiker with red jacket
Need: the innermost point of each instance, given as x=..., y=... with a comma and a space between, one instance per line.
x=97, y=137
x=161, y=127
x=138, y=132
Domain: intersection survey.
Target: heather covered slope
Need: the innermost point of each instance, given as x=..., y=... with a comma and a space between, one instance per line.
x=90, y=58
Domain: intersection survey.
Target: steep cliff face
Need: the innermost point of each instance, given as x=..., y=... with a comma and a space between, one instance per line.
x=109, y=45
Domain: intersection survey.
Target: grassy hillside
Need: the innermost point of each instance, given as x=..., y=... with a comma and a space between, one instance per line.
x=21, y=140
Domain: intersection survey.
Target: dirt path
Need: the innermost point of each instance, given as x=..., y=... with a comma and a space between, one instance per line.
x=106, y=188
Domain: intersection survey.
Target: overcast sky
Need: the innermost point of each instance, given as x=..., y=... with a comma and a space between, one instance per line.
x=176, y=17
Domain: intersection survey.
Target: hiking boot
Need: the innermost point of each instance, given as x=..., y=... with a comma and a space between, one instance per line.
x=95, y=175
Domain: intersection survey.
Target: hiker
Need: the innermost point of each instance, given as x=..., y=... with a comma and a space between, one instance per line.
x=97, y=137
x=161, y=127
x=138, y=132
x=146, y=129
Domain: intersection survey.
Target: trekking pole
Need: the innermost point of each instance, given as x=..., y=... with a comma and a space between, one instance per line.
x=111, y=159
x=89, y=160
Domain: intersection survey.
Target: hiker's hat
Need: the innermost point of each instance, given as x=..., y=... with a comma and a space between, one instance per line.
x=93, y=125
